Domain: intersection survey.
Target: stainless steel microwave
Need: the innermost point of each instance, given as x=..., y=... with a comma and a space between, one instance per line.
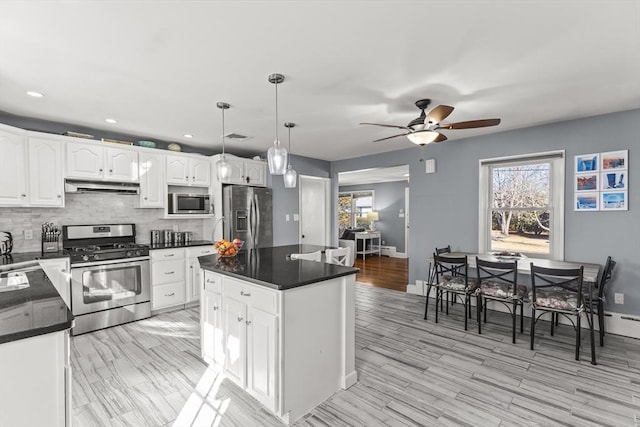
x=182, y=203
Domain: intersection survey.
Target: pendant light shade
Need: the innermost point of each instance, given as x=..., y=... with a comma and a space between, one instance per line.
x=223, y=167
x=277, y=154
x=290, y=176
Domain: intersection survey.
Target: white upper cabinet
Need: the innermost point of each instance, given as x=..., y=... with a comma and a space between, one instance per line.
x=13, y=167
x=184, y=170
x=244, y=171
x=92, y=161
x=152, y=182
x=45, y=173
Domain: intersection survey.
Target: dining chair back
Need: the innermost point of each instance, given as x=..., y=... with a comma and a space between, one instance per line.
x=444, y=250
x=340, y=256
x=559, y=291
x=310, y=256
x=498, y=281
x=597, y=303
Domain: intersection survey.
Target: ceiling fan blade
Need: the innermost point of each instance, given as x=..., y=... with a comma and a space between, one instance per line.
x=441, y=137
x=439, y=113
x=389, y=137
x=387, y=126
x=470, y=124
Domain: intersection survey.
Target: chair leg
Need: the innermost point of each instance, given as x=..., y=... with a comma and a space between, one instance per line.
x=553, y=321
x=447, y=303
x=521, y=317
x=533, y=325
x=469, y=308
x=514, y=314
x=479, y=304
x=484, y=309
x=466, y=318
x=591, y=337
x=601, y=322
x=440, y=303
x=426, y=304
x=557, y=317
x=578, y=327
x=438, y=297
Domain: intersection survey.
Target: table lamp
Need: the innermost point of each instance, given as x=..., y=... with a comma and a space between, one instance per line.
x=373, y=217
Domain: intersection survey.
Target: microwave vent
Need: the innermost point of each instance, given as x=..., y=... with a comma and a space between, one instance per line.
x=237, y=137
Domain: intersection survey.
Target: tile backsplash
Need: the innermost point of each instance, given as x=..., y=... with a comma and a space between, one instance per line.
x=84, y=208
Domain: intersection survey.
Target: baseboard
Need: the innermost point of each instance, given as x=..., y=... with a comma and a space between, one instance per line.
x=616, y=323
x=398, y=255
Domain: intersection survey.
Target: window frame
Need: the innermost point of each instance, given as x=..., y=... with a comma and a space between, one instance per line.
x=556, y=198
x=353, y=222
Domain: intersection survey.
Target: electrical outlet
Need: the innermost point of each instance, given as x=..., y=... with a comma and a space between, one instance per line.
x=384, y=242
x=287, y=217
x=175, y=227
x=28, y=234
x=618, y=298
x=296, y=217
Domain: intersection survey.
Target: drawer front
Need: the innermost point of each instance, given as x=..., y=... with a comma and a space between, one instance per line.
x=200, y=251
x=167, y=295
x=253, y=295
x=167, y=254
x=167, y=272
x=212, y=282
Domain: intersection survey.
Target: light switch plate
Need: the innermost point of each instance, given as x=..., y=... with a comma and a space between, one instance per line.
x=287, y=217
x=296, y=217
x=618, y=298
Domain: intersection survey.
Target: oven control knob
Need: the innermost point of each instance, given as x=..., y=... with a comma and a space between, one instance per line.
x=129, y=253
x=85, y=257
x=96, y=256
x=138, y=252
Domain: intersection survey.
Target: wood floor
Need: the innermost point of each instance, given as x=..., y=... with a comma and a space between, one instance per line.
x=383, y=272
x=410, y=372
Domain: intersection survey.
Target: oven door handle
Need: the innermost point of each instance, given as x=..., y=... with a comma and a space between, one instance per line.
x=110, y=261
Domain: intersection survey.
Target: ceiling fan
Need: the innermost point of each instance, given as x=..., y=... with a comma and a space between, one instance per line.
x=424, y=129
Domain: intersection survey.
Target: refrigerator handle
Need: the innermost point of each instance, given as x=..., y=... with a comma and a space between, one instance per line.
x=252, y=222
x=257, y=207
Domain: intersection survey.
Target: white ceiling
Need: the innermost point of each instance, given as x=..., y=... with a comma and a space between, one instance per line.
x=374, y=175
x=159, y=67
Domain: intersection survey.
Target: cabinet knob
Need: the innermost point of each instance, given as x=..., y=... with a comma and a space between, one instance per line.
x=26, y=314
x=248, y=322
x=187, y=177
x=145, y=198
x=240, y=319
x=215, y=307
x=23, y=195
x=59, y=196
x=245, y=294
x=248, y=180
x=110, y=170
x=100, y=170
x=193, y=177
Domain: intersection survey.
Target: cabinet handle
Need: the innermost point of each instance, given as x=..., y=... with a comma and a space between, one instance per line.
x=110, y=170
x=211, y=281
x=169, y=255
x=240, y=319
x=187, y=177
x=170, y=295
x=245, y=294
x=145, y=198
x=169, y=272
x=215, y=307
x=248, y=180
x=204, y=252
x=100, y=170
x=248, y=322
x=64, y=270
x=23, y=195
x=194, y=178
x=26, y=314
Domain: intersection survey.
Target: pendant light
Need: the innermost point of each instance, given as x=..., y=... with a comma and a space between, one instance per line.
x=290, y=176
x=277, y=155
x=223, y=167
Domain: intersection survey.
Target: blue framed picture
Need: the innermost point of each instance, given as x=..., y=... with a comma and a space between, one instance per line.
x=587, y=163
x=587, y=201
x=613, y=201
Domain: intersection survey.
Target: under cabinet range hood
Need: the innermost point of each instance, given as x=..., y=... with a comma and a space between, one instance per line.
x=74, y=186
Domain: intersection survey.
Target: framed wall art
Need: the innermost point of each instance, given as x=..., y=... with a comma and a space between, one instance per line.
x=601, y=181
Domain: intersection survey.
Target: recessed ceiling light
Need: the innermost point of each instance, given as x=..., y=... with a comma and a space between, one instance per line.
x=35, y=94
x=187, y=135
x=111, y=120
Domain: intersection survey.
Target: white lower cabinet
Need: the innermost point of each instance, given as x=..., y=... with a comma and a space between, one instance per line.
x=240, y=335
x=36, y=381
x=194, y=271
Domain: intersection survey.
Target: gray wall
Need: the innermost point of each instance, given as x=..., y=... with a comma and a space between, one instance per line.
x=286, y=200
x=444, y=205
x=388, y=200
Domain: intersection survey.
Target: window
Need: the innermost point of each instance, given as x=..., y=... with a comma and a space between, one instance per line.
x=522, y=205
x=353, y=209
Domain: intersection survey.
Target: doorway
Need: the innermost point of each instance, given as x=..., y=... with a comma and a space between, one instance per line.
x=315, y=212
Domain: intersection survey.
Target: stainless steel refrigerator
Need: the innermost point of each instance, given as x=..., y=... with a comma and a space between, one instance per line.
x=248, y=215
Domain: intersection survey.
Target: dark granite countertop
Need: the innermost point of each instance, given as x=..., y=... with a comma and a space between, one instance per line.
x=21, y=311
x=181, y=245
x=15, y=258
x=273, y=268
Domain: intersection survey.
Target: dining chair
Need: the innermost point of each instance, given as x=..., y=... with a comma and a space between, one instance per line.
x=559, y=291
x=498, y=281
x=340, y=256
x=432, y=272
x=452, y=277
x=598, y=298
x=311, y=256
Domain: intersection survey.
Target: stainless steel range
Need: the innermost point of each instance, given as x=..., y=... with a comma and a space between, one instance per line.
x=110, y=282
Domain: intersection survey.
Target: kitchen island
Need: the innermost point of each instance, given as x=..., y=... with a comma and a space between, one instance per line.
x=282, y=329
x=34, y=348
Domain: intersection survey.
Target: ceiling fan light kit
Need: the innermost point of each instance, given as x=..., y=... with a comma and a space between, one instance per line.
x=290, y=176
x=423, y=137
x=223, y=167
x=277, y=155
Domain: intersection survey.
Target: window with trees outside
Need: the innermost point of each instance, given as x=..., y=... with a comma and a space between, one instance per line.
x=353, y=208
x=522, y=205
